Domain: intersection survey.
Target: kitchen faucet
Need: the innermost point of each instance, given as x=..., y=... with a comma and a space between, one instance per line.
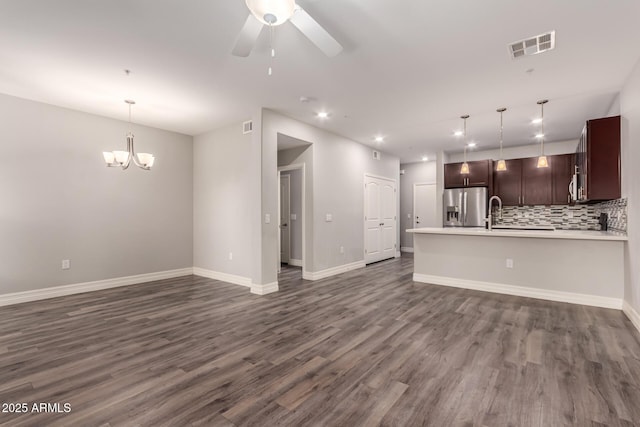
x=489, y=218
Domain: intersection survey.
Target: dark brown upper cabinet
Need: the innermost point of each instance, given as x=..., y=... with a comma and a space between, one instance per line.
x=508, y=184
x=562, y=168
x=598, y=160
x=479, y=175
x=523, y=183
x=536, y=183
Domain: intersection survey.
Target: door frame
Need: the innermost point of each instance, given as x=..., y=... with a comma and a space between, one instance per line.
x=364, y=222
x=413, y=196
x=280, y=178
x=301, y=167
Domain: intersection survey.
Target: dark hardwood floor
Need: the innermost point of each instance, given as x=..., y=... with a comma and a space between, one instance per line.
x=368, y=347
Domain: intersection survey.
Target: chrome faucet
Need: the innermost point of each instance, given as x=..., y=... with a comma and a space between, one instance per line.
x=489, y=218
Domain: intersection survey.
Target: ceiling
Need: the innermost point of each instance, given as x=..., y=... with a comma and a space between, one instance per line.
x=409, y=69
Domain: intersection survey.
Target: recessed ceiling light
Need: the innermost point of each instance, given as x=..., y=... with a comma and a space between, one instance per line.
x=425, y=158
x=536, y=121
x=471, y=144
x=323, y=114
x=458, y=133
x=379, y=138
x=540, y=135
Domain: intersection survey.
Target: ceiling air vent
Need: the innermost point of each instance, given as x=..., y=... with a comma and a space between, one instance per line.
x=533, y=45
x=247, y=127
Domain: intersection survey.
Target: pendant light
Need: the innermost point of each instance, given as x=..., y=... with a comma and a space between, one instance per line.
x=543, y=162
x=502, y=165
x=464, y=169
x=123, y=158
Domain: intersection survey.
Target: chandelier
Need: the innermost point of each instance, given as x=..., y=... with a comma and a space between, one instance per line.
x=123, y=158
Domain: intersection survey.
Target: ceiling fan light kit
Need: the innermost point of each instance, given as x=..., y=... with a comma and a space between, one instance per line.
x=277, y=12
x=272, y=12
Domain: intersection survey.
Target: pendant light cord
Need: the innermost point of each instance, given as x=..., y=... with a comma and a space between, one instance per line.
x=542, y=129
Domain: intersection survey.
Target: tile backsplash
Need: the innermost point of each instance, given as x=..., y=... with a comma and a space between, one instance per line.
x=578, y=217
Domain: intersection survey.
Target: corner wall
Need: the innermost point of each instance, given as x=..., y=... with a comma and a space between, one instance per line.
x=630, y=112
x=223, y=179
x=59, y=200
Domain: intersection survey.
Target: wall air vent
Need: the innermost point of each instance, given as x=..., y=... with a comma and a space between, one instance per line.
x=247, y=127
x=533, y=45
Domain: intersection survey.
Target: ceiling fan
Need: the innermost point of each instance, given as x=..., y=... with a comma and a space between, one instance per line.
x=276, y=12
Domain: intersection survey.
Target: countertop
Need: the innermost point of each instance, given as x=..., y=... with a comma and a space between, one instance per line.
x=536, y=234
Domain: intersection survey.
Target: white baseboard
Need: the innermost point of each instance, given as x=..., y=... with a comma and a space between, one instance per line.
x=78, y=288
x=545, y=294
x=264, y=289
x=632, y=314
x=398, y=254
x=406, y=249
x=317, y=275
x=295, y=262
x=223, y=277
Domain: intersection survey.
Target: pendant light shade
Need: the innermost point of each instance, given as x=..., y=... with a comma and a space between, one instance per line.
x=272, y=12
x=464, y=169
x=543, y=162
x=502, y=165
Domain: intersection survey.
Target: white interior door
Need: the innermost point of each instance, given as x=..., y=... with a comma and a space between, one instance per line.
x=285, y=218
x=380, y=227
x=424, y=206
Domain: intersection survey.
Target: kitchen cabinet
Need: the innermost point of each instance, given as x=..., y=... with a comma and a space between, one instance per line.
x=562, y=169
x=536, y=183
x=598, y=160
x=508, y=184
x=523, y=183
x=480, y=175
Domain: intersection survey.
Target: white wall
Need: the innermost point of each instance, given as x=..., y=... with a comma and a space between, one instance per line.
x=523, y=151
x=295, y=225
x=339, y=165
x=222, y=222
x=423, y=172
x=630, y=124
x=60, y=201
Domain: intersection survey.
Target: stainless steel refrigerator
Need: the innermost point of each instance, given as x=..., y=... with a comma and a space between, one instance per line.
x=465, y=207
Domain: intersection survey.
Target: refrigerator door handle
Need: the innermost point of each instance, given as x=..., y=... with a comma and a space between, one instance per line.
x=465, y=207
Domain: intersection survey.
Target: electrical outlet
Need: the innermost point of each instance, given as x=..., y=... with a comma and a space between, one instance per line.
x=569, y=214
x=328, y=218
x=341, y=249
x=267, y=219
x=509, y=262
x=230, y=256
x=66, y=264
x=294, y=217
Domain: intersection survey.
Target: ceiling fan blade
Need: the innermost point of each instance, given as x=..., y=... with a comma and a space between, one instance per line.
x=247, y=37
x=314, y=32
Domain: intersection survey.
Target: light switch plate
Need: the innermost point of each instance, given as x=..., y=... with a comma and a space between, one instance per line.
x=267, y=219
x=66, y=264
x=294, y=217
x=509, y=263
x=328, y=218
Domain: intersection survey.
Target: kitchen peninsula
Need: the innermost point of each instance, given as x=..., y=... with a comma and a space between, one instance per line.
x=580, y=267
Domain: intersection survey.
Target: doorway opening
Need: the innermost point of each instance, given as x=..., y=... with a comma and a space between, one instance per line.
x=291, y=221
